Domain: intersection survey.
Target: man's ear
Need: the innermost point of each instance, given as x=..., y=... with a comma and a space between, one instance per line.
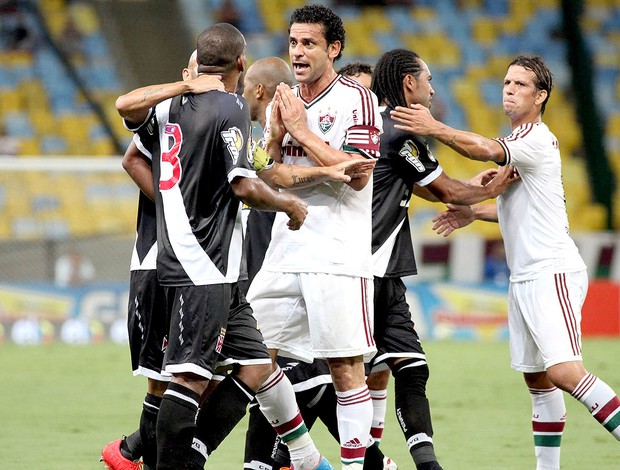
x=409, y=82
x=333, y=49
x=240, y=64
x=542, y=96
x=260, y=91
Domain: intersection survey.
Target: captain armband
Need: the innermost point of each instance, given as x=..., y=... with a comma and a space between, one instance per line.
x=262, y=160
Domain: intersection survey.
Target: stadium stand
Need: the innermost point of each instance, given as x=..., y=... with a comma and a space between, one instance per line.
x=467, y=44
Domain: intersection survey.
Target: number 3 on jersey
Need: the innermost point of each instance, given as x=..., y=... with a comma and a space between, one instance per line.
x=171, y=174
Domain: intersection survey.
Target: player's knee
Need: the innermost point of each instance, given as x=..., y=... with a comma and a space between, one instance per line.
x=254, y=375
x=411, y=375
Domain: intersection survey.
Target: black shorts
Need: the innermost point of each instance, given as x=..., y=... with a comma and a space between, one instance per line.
x=394, y=330
x=211, y=326
x=147, y=324
x=305, y=375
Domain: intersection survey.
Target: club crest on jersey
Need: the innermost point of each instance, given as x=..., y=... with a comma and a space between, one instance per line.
x=220, y=340
x=326, y=121
x=374, y=137
x=234, y=142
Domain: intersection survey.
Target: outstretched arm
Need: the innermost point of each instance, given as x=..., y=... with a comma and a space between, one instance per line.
x=418, y=120
x=134, y=106
x=454, y=191
x=460, y=216
x=255, y=193
x=285, y=176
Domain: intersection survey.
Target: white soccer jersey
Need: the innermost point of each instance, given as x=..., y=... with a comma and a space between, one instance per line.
x=336, y=235
x=532, y=212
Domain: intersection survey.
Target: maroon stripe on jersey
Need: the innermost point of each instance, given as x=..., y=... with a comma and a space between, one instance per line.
x=506, y=150
x=297, y=89
x=537, y=426
x=584, y=386
x=368, y=116
x=365, y=138
x=370, y=339
x=567, y=311
x=521, y=132
x=611, y=406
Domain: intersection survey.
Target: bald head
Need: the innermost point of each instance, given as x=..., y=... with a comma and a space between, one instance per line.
x=260, y=82
x=269, y=72
x=191, y=71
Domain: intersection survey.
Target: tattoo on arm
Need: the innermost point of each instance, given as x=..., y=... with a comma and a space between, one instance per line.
x=298, y=181
x=451, y=142
x=148, y=93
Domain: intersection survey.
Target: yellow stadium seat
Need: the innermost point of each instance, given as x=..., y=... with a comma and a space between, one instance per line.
x=29, y=147
x=423, y=14
x=11, y=100
x=43, y=122
x=274, y=20
x=84, y=17
x=375, y=19
x=484, y=30
x=102, y=147
x=587, y=217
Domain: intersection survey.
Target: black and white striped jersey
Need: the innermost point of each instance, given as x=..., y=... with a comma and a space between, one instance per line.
x=144, y=254
x=204, y=145
x=405, y=160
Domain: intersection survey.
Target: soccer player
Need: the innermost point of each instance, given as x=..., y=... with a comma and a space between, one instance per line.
x=548, y=278
x=312, y=382
x=259, y=86
x=146, y=319
x=315, y=285
x=402, y=78
x=377, y=380
x=359, y=71
x=202, y=171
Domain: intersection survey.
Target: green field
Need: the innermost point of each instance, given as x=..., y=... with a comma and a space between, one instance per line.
x=60, y=404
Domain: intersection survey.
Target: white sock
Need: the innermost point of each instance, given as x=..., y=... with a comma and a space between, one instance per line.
x=601, y=401
x=276, y=398
x=548, y=419
x=354, y=411
x=379, y=406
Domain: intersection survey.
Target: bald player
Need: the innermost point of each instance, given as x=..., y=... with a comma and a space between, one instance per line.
x=259, y=86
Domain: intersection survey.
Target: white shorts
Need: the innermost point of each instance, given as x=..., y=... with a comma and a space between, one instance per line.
x=308, y=315
x=544, y=320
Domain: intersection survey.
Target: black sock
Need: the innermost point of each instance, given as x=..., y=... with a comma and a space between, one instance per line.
x=176, y=426
x=433, y=465
x=131, y=446
x=223, y=408
x=374, y=458
x=148, y=435
x=413, y=409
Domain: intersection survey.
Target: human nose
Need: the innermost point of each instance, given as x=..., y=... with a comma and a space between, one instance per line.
x=296, y=50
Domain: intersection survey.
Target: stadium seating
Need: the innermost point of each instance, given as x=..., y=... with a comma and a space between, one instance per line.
x=467, y=45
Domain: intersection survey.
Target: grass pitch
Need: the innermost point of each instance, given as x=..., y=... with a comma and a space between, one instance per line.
x=60, y=404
